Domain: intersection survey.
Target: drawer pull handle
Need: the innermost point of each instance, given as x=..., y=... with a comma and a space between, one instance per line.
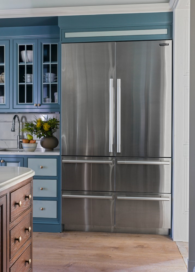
x=28, y=261
x=35, y=105
x=18, y=203
x=28, y=229
x=19, y=239
x=41, y=167
x=28, y=196
x=39, y=105
x=2, y=160
x=41, y=209
x=41, y=188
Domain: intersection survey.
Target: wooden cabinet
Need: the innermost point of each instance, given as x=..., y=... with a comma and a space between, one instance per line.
x=16, y=228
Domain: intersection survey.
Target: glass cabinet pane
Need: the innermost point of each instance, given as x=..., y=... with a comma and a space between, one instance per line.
x=49, y=73
x=2, y=74
x=25, y=74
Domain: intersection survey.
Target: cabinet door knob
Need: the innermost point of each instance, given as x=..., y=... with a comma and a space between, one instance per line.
x=19, y=239
x=41, y=167
x=35, y=105
x=41, y=209
x=2, y=160
x=28, y=196
x=28, y=261
x=39, y=105
x=28, y=229
x=41, y=188
x=18, y=203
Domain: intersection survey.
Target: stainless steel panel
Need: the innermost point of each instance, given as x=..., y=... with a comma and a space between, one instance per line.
x=86, y=72
x=142, y=214
x=83, y=212
x=143, y=176
x=145, y=71
x=87, y=173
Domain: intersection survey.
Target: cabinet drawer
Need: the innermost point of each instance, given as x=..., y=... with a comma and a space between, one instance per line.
x=20, y=234
x=43, y=167
x=24, y=263
x=20, y=201
x=45, y=209
x=44, y=188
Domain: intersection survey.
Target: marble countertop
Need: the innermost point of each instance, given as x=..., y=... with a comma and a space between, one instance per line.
x=40, y=152
x=10, y=176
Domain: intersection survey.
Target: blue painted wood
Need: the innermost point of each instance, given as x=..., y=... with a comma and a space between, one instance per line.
x=116, y=22
x=6, y=66
x=38, y=227
x=49, y=166
x=44, y=188
x=33, y=21
x=10, y=160
x=49, y=209
x=51, y=106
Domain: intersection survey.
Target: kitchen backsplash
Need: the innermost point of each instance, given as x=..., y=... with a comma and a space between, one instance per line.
x=8, y=139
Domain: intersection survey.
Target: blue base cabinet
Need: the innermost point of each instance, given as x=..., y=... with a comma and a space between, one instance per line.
x=46, y=193
x=12, y=161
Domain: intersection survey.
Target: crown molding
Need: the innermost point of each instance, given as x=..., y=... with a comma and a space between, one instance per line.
x=179, y=4
x=85, y=10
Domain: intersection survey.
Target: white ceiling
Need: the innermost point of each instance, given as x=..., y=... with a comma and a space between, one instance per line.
x=26, y=4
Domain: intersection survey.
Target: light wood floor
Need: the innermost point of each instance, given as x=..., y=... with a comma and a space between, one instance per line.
x=108, y=252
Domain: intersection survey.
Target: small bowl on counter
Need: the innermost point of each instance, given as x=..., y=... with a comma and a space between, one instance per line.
x=29, y=147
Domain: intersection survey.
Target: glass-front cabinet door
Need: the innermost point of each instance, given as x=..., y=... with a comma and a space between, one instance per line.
x=49, y=74
x=25, y=76
x=4, y=75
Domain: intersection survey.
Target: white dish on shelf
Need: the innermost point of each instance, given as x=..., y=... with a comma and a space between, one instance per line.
x=1, y=99
x=28, y=78
x=27, y=56
x=49, y=77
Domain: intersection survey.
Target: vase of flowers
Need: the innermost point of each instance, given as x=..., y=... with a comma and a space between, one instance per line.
x=44, y=130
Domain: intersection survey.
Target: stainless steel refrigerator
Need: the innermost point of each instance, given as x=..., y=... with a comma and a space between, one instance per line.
x=116, y=131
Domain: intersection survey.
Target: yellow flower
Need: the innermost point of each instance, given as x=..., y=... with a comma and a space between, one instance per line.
x=38, y=124
x=46, y=126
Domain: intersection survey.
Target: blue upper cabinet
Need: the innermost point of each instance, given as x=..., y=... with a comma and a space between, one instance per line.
x=49, y=74
x=4, y=76
x=25, y=74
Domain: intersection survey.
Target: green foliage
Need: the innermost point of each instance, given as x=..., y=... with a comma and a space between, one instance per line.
x=41, y=128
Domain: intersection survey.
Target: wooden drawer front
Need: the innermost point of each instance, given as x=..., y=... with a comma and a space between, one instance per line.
x=45, y=209
x=20, y=201
x=23, y=231
x=43, y=167
x=44, y=188
x=22, y=265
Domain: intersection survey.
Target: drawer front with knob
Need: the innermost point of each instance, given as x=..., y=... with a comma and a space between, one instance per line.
x=44, y=188
x=45, y=209
x=20, y=201
x=43, y=167
x=20, y=234
x=24, y=263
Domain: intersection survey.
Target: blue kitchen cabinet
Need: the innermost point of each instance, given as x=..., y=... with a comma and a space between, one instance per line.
x=12, y=161
x=4, y=75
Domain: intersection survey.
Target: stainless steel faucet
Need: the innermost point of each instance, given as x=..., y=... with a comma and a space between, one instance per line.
x=19, y=142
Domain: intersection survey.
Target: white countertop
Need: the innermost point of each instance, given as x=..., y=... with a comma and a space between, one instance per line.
x=40, y=152
x=10, y=176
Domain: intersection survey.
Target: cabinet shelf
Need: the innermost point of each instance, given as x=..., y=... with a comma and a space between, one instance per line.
x=50, y=62
x=25, y=63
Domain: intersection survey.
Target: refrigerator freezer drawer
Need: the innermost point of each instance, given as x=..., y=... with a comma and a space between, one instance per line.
x=143, y=176
x=143, y=213
x=87, y=212
x=87, y=174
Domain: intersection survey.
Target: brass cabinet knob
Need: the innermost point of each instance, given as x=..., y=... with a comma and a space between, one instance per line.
x=28, y=229
x=39, y=105
x=41, y=188
x=28, y=196
x=18, y=203
x=41, y=167
x=41, y=209
x=19, y=239
x=28, y=261
x=35, y=105
x=2, y=160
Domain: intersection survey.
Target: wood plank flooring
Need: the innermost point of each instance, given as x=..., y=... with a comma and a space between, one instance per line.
x=107, y=252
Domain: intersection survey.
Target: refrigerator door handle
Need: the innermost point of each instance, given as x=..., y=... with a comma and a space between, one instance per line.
x=118, y=115
x=86, y=196
x=111, y=119
x=145, y=162
x=143, y=198
x=87, y=161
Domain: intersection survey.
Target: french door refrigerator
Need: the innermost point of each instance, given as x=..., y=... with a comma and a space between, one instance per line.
x=116, y=136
